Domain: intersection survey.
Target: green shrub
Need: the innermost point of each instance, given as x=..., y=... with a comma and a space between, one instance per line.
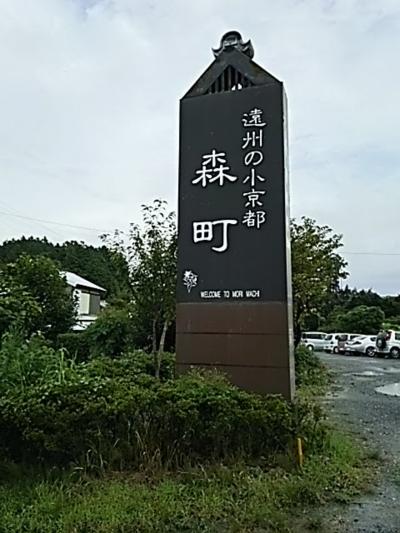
x=76, y=344
x=112, y=412
x=112, y=334
x=131, y=366
x=29, y=363
x=310, y=371
x=97, y=421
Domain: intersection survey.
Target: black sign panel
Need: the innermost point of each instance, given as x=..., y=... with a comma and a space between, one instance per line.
x=232, y=212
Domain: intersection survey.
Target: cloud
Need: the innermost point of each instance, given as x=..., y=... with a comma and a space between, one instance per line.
x=89, y=104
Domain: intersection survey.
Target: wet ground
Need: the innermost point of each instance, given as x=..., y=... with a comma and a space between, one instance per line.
x=366, y=398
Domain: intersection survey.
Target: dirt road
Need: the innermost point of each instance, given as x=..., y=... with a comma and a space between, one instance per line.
x=357, y=402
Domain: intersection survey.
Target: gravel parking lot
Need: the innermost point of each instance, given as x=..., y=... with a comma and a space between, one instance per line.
x=364, y=400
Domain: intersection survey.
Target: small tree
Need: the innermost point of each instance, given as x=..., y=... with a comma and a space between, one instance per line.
x=36, y=282
x=113, y=333
x=152, y=253
x=151, y=250
x=18, y=308
x=316, y=269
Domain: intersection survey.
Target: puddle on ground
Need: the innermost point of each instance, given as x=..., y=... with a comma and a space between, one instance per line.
x=390, y=390
x=388, y=370
x=392, y=370
x=368, y=374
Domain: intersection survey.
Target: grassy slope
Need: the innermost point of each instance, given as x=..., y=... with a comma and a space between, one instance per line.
x=239, y=498
x=216, y=499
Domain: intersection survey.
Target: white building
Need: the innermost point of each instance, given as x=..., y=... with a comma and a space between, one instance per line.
x=89, y=298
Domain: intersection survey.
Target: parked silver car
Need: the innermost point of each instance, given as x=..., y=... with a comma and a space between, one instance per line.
x=313, y=340
x=331, y=343
x=363, y=345
x=335, y=342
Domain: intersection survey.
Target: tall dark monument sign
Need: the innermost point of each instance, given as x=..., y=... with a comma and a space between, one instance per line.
x=234, y=287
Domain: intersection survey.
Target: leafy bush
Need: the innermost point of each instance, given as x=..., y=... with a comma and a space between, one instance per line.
x=112, y=412
x=97, y=421
x=310, y=371
x=131, y=366
x=18, y=308
x=76, y=344
x=28, y=363
x=35, y=280
x=112, y=334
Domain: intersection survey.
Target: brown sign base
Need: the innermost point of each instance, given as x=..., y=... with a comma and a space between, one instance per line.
x=249, y=342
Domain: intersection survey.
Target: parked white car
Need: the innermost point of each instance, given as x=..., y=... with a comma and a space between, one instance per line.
x=388, y=343
x=363, y=345
x=313, y=340
x=335, y=342
x=331, y=343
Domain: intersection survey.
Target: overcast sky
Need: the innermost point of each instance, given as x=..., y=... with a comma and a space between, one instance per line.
x=89, y=93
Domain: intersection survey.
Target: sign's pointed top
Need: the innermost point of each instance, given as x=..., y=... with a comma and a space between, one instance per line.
x=231, y=40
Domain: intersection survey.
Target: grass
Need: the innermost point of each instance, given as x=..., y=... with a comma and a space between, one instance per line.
x=240, y=498
x=271, y=495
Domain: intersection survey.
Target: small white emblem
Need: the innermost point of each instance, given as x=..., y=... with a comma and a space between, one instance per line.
x=190, y=280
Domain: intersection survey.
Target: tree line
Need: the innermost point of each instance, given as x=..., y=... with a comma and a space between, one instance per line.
x=138, y=270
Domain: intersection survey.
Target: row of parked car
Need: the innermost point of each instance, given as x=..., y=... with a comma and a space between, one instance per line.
x=384, y=344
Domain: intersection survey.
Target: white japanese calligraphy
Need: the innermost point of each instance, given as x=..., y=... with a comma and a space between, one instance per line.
x=252, y=143
x=254, y=219
x=253, y=177
x=214, y=158
x=253, y=119
x=204, y=232
x=253, y=198
x=253, y=158
x=213, y=169
x=254, y=139
x=221, y=175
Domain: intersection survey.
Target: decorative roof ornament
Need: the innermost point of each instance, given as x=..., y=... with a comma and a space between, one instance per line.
x=233, y=39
